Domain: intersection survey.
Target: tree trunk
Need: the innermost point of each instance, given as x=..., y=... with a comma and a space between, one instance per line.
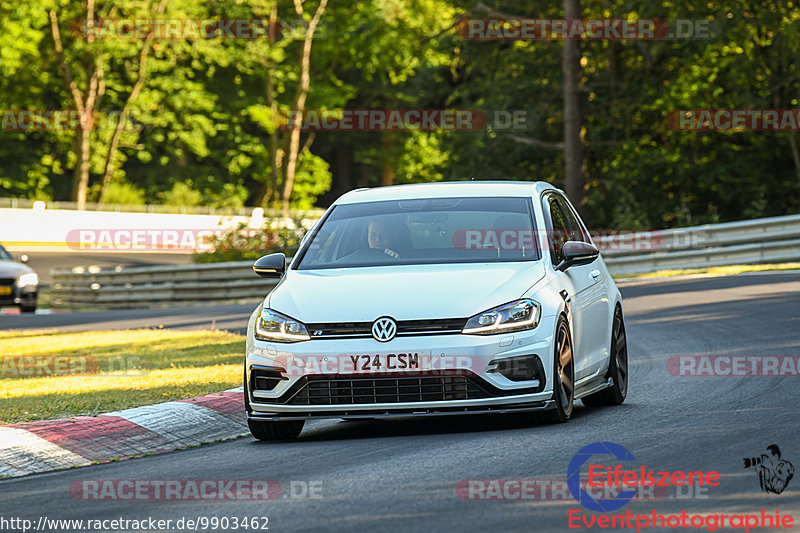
x=388, y=154
x=342, y=179
x=796, y=158
x=268, y=192
x=387, y=173
x=80, y=182
x=300, y=104
x=86, y=104
x=141, y=76
x=573, y=144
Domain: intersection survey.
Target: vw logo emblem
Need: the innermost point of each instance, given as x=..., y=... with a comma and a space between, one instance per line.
x=384, y=329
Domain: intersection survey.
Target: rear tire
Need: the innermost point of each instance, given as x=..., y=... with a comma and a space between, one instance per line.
x=563, y=376
x=617, y=368
x=268, y=430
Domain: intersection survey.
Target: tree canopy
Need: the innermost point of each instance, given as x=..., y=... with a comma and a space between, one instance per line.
x=194, y=119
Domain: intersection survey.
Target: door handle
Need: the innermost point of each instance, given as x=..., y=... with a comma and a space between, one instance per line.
x=595, y=275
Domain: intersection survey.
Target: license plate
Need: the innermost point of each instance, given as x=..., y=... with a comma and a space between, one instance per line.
x=5, y=291
x=382, y=363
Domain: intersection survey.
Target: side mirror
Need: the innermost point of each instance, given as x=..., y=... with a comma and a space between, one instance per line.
x=24, y=258
x=270, y=266
x=577, y=253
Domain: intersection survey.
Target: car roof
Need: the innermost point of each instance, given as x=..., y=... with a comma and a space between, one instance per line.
x=446, y=189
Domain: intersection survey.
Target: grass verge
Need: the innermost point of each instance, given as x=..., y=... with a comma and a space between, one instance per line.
x=49, y=374
x=716, y=271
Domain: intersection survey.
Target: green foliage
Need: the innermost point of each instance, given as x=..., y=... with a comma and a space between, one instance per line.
x=313, y=178
x=182, y=194
x=245, y=243
x=199, y=132
x=122, y=193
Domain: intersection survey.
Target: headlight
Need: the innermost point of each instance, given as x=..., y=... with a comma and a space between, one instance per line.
x=27, y=279
x=514, y=316
x=273, y=326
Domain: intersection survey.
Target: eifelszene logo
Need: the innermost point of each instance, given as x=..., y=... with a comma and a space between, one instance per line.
x=574, y=476
x=617, y=477
x=774, y=473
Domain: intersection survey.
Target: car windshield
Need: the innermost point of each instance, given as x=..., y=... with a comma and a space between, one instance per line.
x=423, y=231
x=4, y=256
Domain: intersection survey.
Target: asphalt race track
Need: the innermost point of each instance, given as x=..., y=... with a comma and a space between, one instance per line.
x=228, y=317
x=401, y=475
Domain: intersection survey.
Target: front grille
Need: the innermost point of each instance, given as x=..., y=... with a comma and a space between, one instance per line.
x=320, y=390
x=333, y=330
x=7, y=281
x=416, y=327
x=340, y=329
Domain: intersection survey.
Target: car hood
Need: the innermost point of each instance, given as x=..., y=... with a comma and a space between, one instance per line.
x=12, y=269
x=402, y=292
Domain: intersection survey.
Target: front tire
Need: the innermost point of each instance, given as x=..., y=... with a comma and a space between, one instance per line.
x=268, y=430
x=27, y=308
x=563, y=375
x=617, y=368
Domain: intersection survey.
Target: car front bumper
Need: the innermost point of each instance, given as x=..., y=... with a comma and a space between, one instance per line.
x=13, y=295
x=457, y=374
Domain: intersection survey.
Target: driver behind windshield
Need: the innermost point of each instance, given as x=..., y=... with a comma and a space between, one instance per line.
x=384, y=236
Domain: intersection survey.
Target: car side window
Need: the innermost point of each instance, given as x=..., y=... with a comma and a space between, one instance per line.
x=574, y=230
x=558, y=233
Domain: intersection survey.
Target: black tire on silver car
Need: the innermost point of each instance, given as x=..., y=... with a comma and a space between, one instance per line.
x=563, y=375
x=269, y=430
x=617, y=368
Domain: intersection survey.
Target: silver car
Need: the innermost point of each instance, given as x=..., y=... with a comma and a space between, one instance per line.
x=19, y=284
x=436, y=299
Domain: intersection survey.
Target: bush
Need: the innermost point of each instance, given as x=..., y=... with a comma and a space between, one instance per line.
x=244, y=243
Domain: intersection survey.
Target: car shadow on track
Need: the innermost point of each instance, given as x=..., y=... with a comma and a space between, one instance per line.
x=439, y=425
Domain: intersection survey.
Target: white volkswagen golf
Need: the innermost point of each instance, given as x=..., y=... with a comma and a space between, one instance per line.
x=436, y=299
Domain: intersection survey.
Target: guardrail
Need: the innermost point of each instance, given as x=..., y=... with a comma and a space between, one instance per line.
x=754, y=241
x=157, y=286
x=765, y=240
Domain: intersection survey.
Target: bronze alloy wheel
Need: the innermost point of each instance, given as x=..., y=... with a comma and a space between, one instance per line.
x=563, y=375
